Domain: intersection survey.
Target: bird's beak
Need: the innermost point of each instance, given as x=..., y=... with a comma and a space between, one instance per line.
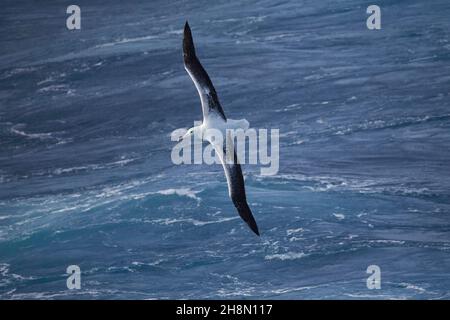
x=182, y=138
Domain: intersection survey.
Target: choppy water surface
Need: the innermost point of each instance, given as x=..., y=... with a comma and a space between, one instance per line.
x=86, y=176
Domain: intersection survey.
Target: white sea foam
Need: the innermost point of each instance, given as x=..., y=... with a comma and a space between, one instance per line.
x=387, y=241
x=8, y=277
x=176, y=32
x=46, y=80
x=195, y=222
x=16, y=71
x=54, y=88
x=42, y=136
x=152, y=264
x=235, y=292
x=125, y=40
x=373, y=295
x=286, y=256
x=288, y=290
x=322, y=183
x=109, y=165
x=290, y=232
x=413, y=287
x=184, y=192
x=339, y=216
x=382, y=124
x=249, y=19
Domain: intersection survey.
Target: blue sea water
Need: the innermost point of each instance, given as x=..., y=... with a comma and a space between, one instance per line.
x=86, y=176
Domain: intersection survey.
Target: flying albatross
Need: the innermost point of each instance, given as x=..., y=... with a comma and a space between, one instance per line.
x=214, y=118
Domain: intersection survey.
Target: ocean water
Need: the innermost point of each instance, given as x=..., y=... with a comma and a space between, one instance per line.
x=86, y=176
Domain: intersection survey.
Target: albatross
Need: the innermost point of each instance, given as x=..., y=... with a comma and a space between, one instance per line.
x=214, y=118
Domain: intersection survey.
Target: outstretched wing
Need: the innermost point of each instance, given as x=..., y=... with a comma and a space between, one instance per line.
x=205, y=88
x=235, y=180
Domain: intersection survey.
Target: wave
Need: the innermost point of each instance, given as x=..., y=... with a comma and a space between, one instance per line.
x=286, y=256
x=18, y=130
x=18, y=71
x=387, y=124
x=413, y=287
x=56, y=88
x=325, y=183
x=41, y=136
x=290, y=232
x=249, y=19
x=183, y=192
x=7, y=277
x=72, y=294
x=339, y=216
x=35, y=215
x=387, y=241
x=195, y=222
x=289, y=290
x=6, y=177
x=151, y=264
x=109, y=165
x=125, y=40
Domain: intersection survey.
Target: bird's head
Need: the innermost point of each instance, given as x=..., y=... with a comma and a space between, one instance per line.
x=188, y=134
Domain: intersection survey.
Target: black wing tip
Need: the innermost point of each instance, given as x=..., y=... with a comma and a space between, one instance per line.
x=188, y=43
x=247, y=216
x=254, y=227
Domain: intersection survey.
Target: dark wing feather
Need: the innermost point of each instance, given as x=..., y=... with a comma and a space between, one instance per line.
x=205, y=88
x=236, y=186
